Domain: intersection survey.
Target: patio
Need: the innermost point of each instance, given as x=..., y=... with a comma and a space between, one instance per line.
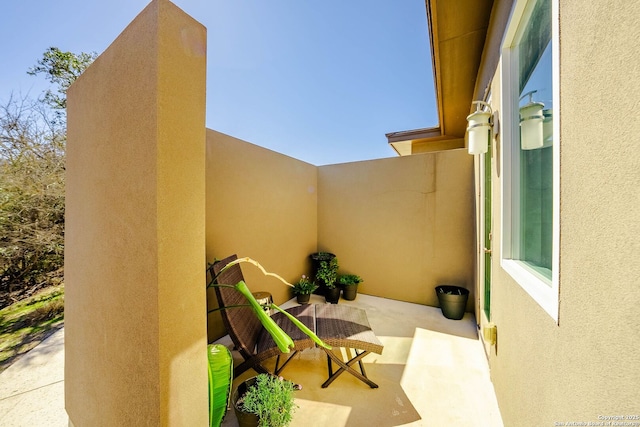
x=178, y=193
x=433, y=372
x=151, y=194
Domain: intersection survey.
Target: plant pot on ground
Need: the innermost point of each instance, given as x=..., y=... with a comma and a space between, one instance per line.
x=453, y=300
x=326, y=278
x=303, y=290
x=316, y=259
x=349, y=284
x=332, y=295
x=264, y=400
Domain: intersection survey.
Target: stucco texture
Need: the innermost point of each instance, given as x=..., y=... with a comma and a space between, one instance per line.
x=134, y=250
x=263, y=205
x=586, y=365
x=403, y=224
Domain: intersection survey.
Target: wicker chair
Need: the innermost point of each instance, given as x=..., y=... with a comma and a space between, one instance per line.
x=338, y=326
x=245, y=330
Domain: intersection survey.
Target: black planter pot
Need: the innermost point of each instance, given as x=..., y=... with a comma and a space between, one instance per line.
x=453, y=301
x=245, y=419
x=332, y=295
x=303, y=298
x=349, y=292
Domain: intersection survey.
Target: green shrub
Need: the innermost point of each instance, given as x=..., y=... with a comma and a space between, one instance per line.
x=271, y=399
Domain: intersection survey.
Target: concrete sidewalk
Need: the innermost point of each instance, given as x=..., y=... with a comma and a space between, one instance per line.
x=32, y=389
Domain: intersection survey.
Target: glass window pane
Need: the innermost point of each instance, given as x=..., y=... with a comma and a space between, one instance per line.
x=535, y=83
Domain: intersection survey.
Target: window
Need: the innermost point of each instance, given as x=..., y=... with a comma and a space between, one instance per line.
x=530, y=147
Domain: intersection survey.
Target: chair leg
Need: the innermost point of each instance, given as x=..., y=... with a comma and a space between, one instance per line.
x=277, y=369
x=256, y=366
x=347, y=367
x=361, y=364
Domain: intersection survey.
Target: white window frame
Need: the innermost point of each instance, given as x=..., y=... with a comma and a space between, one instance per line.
x=544, y=291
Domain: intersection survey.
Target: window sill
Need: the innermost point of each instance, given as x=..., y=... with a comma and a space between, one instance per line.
x=543, y=290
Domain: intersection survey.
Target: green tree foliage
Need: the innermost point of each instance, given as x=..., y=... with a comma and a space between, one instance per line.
x=31, y=199
x=32, y=143
x=61, y=69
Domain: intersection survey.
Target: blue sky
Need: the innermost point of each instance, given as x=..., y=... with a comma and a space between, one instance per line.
x=319, y=81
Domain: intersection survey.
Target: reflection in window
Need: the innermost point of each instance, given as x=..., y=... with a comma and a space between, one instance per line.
x=534, y=55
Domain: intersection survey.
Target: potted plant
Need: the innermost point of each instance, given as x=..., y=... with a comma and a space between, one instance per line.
x=326, y=276
x=303, y=289
x=453, y=300
x=264, y=400
x=349, y=284
x=316, y=259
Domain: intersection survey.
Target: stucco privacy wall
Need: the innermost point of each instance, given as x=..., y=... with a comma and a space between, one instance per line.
x=135, y=331
x=587, y=365
x=263, y=205
x=404, y=224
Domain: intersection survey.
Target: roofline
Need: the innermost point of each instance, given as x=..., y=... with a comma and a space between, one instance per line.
x=461, y=38
x=413, y=134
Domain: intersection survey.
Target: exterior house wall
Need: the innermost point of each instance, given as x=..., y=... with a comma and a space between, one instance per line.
x=263, y=205
x=586, y=365
x=404, y=224
x=134, y=241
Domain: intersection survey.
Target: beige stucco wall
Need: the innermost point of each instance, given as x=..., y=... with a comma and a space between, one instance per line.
x=587, y=365
x=135, y=334
x=263, y=205
x=404, y=224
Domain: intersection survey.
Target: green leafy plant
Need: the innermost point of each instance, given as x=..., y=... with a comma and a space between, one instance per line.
x=349, y=279
x=271, y=399
x=220, y=379
x=62, y=69
x=450, y=290
x=328, y=273
x=32, y=170
x=304, y=286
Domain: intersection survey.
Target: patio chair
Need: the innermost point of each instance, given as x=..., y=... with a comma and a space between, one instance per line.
x=250, y=338
x=338, y=326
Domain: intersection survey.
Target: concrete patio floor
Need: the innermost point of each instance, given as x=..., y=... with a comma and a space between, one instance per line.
x=433, y=372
